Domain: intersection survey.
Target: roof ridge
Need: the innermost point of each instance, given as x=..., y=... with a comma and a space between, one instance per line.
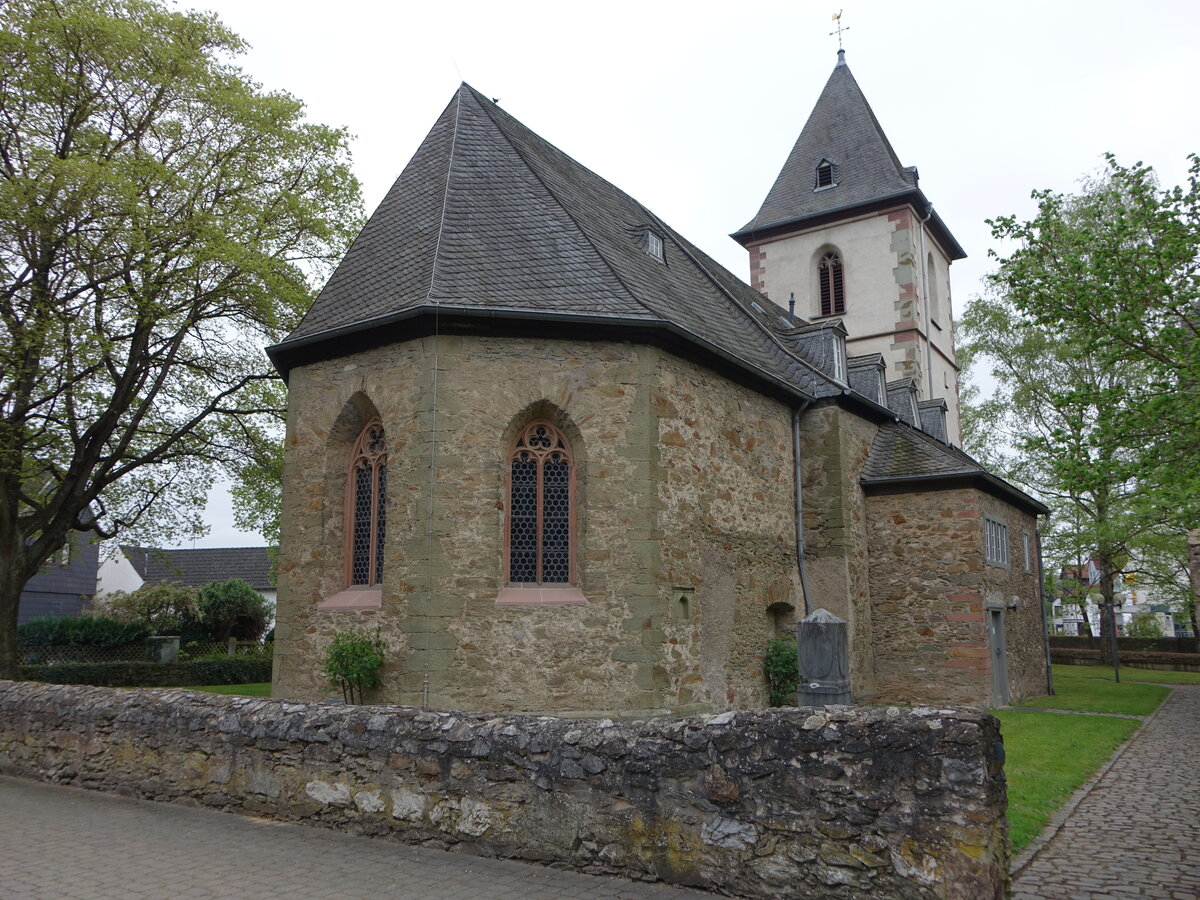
x=483, y=105
x=437, y=249
x=684, y=245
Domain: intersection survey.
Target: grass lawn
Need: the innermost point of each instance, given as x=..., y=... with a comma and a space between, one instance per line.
x=1086, y=690
x=1049, y=755
x=257, y=689
x=1154, y=676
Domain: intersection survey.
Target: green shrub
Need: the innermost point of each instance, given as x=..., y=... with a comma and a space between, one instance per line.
x=233, y=609
x=781, y=670
x=352, y=663
x=80, y=631
x=166, y=608
x=231, y=670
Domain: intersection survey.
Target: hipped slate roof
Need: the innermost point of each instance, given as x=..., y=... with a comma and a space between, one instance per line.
x=491, y=228
x=843, y=130
x=197, y=568
x=903, y=458
x=489, y=220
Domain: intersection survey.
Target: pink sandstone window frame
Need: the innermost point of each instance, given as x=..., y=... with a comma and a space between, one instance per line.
x=522, y=447
x=370, y=450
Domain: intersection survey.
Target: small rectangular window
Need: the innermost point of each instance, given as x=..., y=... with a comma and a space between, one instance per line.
x=654, y=245
x=1027, y=541
x=995, y=538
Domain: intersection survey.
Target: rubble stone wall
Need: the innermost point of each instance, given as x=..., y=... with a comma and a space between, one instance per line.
x=842, y=802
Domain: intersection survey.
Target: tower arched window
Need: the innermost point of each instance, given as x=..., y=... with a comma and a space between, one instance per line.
x=366, y=506
x=540, y=534
x=833, y=285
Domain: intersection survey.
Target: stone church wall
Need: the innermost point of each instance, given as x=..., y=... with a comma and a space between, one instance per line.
x=728, y=525
x=834, y=447
x=684, y=513
x=931, y=588
x=773, y=803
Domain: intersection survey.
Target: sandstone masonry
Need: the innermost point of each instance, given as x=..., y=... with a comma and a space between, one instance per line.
x=785, y=803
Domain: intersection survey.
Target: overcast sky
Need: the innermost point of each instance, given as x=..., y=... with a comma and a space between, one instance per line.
x=693, y=107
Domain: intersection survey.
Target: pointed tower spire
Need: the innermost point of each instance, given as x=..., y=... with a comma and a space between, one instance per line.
x=843, y=134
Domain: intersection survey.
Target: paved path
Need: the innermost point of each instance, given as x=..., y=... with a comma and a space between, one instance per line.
x=62, y=842
x=1137, y=831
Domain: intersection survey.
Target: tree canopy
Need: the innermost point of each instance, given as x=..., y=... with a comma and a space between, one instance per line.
x=1090, y=330
x=162, y=218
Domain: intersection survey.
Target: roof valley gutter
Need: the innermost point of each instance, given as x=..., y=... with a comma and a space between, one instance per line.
x=799, y=475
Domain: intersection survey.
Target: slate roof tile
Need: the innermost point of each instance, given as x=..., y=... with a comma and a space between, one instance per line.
x=197, y=568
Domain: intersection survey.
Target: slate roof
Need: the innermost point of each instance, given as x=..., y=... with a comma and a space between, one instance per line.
x=489, y=218
x=903, y=457
x=491, y=224
x=842, y=129
x=197, y=568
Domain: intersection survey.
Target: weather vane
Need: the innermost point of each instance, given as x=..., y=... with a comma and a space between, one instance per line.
x=837, y=17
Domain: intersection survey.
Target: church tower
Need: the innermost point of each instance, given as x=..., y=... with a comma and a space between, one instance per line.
x=846, y=232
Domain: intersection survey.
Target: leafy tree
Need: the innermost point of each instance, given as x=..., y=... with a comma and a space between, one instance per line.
x=233, y=609
x=161, y=219
x=165, y=608
x=1089, y=328
x=1144, y=625
x=1118, y=267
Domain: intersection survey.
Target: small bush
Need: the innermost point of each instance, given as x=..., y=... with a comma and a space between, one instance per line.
x=233, y=609
x=782, y=672
x=231, y=670
x=352, y=663
x=80, y=631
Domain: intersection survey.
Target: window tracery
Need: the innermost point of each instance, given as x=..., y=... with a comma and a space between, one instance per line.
x=366, y=506
x=541, y=487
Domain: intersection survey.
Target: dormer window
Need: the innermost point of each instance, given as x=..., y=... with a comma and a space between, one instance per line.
x=654, y=246
x=839, y=358
x=826, y=175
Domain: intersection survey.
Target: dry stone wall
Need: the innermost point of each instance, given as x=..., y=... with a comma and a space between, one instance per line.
x=841, y=802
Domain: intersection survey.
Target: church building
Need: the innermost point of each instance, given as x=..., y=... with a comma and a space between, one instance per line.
x=562, y=461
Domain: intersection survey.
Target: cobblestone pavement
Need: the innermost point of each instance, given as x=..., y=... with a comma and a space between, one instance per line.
x=62, y=842
x=1137, y=831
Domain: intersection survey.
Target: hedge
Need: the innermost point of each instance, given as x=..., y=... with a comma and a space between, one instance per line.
x=231, y=670
x=79, y=631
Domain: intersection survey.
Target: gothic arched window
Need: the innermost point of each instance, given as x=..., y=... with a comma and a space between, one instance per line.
x=366, y=506
x=541, y=496
x=833, y=285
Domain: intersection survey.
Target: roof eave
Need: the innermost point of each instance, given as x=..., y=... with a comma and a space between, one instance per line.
x=582, y=326
x=913, y=196
x=989, y=483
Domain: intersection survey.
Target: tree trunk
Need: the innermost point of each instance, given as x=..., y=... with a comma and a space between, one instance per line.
x=11, y=585
x=1087, y=625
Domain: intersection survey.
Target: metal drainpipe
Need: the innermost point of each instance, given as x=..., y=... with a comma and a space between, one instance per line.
x=796, y=414
x=924, y=270
x=1037, y=533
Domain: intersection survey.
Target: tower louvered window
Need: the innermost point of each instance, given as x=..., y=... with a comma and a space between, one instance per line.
x=366, y=506
x=825, y=174
x=833, y=286
x=540, y=501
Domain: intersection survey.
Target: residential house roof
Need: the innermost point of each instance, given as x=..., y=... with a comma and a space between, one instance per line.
x=197, y=568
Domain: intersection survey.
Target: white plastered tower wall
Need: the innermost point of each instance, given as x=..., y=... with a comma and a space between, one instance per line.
x=896, y=304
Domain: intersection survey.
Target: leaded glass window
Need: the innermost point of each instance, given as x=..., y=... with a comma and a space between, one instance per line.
x=366, y=506
x=540, y=499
